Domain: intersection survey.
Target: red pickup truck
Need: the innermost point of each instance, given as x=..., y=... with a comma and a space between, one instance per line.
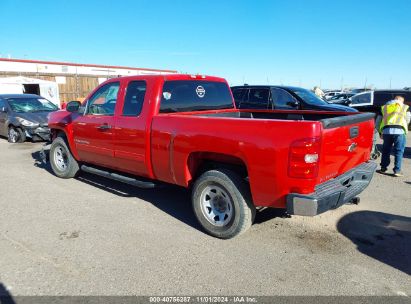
x=185, y=130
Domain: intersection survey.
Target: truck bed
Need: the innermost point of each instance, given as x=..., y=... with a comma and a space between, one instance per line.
x=180, y=141
x=328, y=119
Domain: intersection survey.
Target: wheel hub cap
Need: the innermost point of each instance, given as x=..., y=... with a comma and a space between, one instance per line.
x=60, y=158
x=13, y=135
x=216, y=205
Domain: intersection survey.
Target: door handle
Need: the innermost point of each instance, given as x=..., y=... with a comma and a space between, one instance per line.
x=104, y=127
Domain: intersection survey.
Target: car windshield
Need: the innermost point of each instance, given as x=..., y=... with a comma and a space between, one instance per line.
x=29, y=105
x=308, y=96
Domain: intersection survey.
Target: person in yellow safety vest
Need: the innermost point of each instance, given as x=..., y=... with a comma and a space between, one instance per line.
x=393, y=127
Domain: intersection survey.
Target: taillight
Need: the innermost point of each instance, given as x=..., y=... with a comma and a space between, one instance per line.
x=304, y=157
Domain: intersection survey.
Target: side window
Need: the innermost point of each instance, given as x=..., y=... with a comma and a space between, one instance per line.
x=361, y=99
x=259, y=97
x=103, y=102
x=133, y=103
x=2, y=104
x=282, y=99
x=238, y=95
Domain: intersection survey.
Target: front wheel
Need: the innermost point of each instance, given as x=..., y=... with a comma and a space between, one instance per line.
x=222, y=203
x=16, y=135
x=62, y=162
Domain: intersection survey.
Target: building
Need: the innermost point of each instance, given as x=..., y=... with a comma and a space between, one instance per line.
x=75, y=80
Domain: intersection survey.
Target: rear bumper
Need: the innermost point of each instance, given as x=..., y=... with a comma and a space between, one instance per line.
x=332, y=194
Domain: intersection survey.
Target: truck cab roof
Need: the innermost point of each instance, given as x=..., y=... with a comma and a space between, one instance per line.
x=170, y=77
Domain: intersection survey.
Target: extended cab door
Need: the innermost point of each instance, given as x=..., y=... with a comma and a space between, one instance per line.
x=132, y=129
x=93, y=131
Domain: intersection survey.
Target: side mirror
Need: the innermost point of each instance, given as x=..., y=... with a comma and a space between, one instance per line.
x=73, y=106
x=3, y=109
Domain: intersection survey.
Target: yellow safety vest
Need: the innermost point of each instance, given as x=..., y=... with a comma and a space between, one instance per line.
x=394, y=115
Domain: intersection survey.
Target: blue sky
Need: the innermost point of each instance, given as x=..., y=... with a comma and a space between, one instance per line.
x=295, y=42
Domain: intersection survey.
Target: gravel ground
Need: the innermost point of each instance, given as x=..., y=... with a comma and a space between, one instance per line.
x=91, y=236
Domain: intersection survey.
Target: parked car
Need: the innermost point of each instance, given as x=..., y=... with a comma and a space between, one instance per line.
x=340, y=98
x=185, y=130
x=329, y=94
x=281, y=98
x=25, y=116
x=372, y=101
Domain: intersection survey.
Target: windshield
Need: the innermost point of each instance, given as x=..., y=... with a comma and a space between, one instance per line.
x=308, y=97
x=29, y=105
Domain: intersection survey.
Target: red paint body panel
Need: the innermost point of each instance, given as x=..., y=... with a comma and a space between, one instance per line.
x=261, y=145
x=171, y=147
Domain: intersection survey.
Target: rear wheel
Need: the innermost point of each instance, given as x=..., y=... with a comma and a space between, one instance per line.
x=16, y=135
x=222, y=203
x=62, y=162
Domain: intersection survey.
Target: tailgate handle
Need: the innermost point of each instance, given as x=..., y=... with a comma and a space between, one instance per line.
x=354, y=132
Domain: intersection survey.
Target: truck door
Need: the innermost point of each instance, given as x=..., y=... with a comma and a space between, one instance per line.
x=132, y=130
x=93, y=131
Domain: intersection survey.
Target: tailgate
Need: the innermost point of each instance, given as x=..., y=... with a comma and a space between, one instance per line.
x=346, y=143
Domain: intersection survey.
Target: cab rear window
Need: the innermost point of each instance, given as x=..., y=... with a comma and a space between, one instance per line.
x=194, y=95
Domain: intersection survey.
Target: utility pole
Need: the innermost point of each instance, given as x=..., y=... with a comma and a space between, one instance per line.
x=390, y=81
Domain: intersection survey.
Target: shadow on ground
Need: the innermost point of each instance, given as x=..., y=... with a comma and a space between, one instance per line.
x=171, y=199
x=382, y=236
x=268, y=214
x=39, y=163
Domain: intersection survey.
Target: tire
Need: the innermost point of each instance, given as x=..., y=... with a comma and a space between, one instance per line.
x=222, y=203
x=63, y=164
x=16, y=135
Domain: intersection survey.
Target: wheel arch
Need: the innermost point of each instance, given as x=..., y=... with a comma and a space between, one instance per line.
x=200, y=162
x=56, y=132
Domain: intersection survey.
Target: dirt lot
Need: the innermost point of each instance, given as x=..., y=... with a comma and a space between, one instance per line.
x=91, y=236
